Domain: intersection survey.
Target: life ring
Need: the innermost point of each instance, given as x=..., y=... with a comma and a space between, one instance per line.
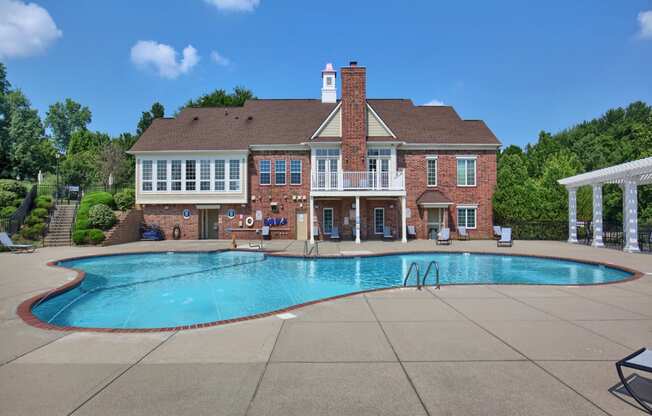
x=249, y=221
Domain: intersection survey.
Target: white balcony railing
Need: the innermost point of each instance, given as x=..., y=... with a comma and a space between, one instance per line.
x=358, y=181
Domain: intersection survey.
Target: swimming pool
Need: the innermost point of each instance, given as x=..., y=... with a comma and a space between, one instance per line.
x=164, y=290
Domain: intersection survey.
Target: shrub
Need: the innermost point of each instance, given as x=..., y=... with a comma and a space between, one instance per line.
x=125, y=200
x=7, y=211
x=95, y=198
x=32, y=232
x=17, y=202
x=7, y=198
x=44, y=202
x=40, y=212
x=101, y=216
x=33, y=219
x=13, y=186
x=95, y=236
x=80, y=236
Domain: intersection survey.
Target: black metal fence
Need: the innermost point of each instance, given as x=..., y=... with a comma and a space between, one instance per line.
x=538, y=230
x=71, y=193
x=613, y=235
x=12, y=224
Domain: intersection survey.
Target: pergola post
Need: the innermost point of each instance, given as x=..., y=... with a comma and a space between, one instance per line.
x=357, y=219
x=572, y=215
x=312, y=220
x=630, y=216
x=597, y=215
x=403, y=220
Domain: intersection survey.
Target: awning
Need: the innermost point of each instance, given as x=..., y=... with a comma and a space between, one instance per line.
x=433, y=199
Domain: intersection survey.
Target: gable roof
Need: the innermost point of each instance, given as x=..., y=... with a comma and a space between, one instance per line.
x=295, y=121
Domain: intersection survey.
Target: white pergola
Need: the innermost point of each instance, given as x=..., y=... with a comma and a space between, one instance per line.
x=629, y=176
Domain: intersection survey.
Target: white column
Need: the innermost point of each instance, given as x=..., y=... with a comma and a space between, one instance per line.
x=597, y=216
x=312, y=220
x=404, y=219
x=357, y=220
x=630, y=217
x=572, y=215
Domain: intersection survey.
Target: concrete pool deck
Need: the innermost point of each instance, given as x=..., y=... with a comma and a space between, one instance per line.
x=468, y=350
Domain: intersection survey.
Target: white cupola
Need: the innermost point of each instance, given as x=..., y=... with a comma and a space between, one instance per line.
x=328, y=88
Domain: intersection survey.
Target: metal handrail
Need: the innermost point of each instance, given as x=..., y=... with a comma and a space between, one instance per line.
x=407, y=275
x=425, y=276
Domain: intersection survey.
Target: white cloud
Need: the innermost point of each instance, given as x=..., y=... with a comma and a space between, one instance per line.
x=435, y=102
x=645, y=21
x=25, y=29
x=219, y=59
x=235, y=5
x=163, y=58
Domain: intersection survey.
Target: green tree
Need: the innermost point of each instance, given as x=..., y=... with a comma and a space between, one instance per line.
x=5, y=157
x=516, y=195
x=30, y=151
x=220, y=98
x=147, y=117
x=65, y=119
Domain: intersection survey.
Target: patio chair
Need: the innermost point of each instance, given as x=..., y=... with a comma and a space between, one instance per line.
x=411, y=231
x=335, y=234
x=265, y=232
x=497, y=231
x=15, y=248
x=505, y=238
x=387, y=233
x=640, y=360
x=444, y=236
x=463, y=233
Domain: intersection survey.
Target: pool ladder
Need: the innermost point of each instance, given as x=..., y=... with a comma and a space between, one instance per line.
x=307, y=252
x=420, y=283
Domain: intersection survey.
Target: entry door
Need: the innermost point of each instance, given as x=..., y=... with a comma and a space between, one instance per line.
x=327, y=173
x=435, y=222
x=210, y=226
x=379, y=220
x=328, y=220
x=302, y=226
x=379, y=171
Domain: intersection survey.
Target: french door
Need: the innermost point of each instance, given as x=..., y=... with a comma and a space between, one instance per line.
x=328, y=220
x=327, y=173
x=379, y=220
x=378, y=169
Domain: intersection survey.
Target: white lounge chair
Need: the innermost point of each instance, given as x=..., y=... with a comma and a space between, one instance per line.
x=505, y=238
x=411, y=231
x=640, y=360
x=265, y=232
x=444, y=236
x=15, y=248
x=387, y=233
x=335, y=234
x=496, y=231
x=463, y=233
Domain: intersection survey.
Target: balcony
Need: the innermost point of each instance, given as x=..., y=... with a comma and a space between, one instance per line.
x=341, y=181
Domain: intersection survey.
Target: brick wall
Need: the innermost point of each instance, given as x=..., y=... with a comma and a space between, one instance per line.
x=354, y=110
x=414, y=163
x=127, y=230
x=167, y=216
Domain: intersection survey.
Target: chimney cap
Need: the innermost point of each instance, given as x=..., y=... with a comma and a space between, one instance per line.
x=353, y=63
x=328, y=68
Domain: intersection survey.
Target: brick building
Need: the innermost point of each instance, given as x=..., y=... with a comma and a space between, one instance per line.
x=357, y=166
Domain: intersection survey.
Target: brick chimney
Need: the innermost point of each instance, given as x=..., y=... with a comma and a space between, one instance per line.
x=354, y=117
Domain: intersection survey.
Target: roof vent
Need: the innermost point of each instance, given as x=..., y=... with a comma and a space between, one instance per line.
x=237, y=117
x=353, y=63
x=250, y=118
x=195, y=118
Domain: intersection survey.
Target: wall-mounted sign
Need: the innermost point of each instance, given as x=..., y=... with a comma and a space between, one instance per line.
x=186, y=214
x=230, y=213
x=408, y=212
x=259, y=215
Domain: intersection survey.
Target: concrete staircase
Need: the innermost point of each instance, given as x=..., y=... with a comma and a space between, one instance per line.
x=60, y=225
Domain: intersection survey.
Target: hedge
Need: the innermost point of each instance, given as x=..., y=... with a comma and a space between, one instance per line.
x=82, y=222
x=95, y=236
x=7, y=198
x=44, y=201
x=7, y=211
x=100, y=216
x=125, y=200
x=16, y=187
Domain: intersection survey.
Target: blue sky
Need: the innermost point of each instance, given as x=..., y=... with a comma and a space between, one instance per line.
x=520, y=66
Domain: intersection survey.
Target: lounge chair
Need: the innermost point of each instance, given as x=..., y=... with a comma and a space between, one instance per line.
x=411, y=231
x=444, y=236
x=265, y=232
x=335, y=234
x=15, y=248
x=640, y=360
x=387, y=233
x=496, y=231
x=463, y=233
x=505, y=238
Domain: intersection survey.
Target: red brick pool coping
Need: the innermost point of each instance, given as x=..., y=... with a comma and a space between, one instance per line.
x=24, y=310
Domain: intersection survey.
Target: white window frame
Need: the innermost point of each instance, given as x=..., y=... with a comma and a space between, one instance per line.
x=466, y=176
x=466, y=217
x=375, y=230
x=179, y=179
x=238, y=173
x=428, y=160
x=260, y=172
x=202, y=180
x=164, y=179
x=276, y=172
x=221, y=180
x=300, y=172
x=149, y=180
x=187, y=181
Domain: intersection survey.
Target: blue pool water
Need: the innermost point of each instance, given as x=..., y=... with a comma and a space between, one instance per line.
x=174, y=289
